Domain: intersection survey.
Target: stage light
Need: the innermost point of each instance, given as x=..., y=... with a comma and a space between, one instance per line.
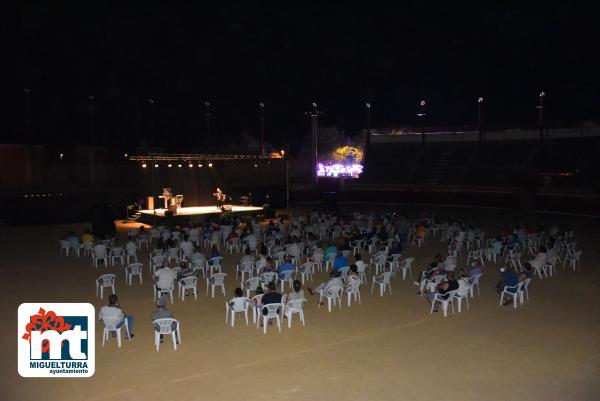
x=156, y=165
x=179, y=165
x=125, y=155
x=261, y=104
x=209, y=164
x=61, y=156
x=144, y=165
x=480, y=100
x=255, y=165
x=282, y=153
x=190, y=165
x=368, y=105
x=169, y=165
x=542, y=94
x=422, y=102
x=200, y=165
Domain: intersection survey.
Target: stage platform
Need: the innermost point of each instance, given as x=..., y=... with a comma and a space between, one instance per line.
x=196, y=214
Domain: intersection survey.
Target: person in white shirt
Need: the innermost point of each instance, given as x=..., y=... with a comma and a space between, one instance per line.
x=114, y=310
x=187, y=248
x=164, y=278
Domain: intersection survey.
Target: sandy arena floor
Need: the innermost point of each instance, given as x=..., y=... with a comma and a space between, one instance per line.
x=388, y=348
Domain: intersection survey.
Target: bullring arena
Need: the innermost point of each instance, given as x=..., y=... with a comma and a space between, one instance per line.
x=386, y=348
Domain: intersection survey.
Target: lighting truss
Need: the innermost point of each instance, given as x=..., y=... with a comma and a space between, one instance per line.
x=191, y=157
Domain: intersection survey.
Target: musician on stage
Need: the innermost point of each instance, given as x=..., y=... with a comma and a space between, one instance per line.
x=220, y=197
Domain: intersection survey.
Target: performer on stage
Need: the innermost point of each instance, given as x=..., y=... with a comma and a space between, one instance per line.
x=220, y=197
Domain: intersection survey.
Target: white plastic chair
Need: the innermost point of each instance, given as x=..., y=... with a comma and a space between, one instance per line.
x=513, y=291
x=306, y=271
x=99, y=253
x=287, y=278
x=216, y=280
x=475, y=255
x=273, y=311
x=250, y=284
x=188, y=283
x=444, y=299
x=105, y=280
x=117, y=253
x=295, y=306
x=131, y=254
x=134, y=269
x=110, y=325
x=235, y=306
x=64, y=246
x=353, y=291
x=244, y=268
x=459, y=297
x=475, y=283
x=406, y=266
x=333, y=295
x=165, y=327
x=525, y=289
x=158, y=292
x=383, y=281
x=268, y=277
x=344, y=272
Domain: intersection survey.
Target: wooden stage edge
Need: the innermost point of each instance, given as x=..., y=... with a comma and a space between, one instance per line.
x=196, y=214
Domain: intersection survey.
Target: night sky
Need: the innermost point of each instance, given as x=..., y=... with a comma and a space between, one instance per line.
x=237, y=56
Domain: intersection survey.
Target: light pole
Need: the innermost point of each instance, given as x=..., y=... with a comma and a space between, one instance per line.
x=27, y=110
x=368, y=109
x=540, y=107
x=151, y=102
x=207, y=115
x=261, y=106
x=422, y=115
x=480, y=118
x=314, y=114
x=91, y=99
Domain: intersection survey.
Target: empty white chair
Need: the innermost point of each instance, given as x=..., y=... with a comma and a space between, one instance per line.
x=105, y=280
x=233, y=244
x=353, y=290
x=539, y=268
x=110, y=325
x=216, y=280
x=268, y=277
x=244, y=268
x=525, y=289
x=173, y=255
x=250, y=284
x=131, y=254
x=573, y=258
x=268, y=312
x=513, y=291
x=464, y=287
x=333, y=295
x=188, y=283
x=165, y=327
x=379, y=262
x=383, y=281
x=235, y=306
x=406, y=266
x=392, y=262
x=295, y=306
x=133, y=269
x=306, y=271
x=444, y=299
x=64, y=247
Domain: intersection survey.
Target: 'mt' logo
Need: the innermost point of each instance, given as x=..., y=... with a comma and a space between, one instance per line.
x=56, y=340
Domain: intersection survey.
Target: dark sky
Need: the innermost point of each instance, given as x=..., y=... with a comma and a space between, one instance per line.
x=237, y=56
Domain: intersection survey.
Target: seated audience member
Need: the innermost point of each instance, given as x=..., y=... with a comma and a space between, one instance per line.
x=508, y=279
x=331, y=251
x=87, y=236
x=297, y=292
x=352, y=280
x=358, y=261
x=239, y=300
x=334, y=281
x=114, y=310
x=434, y=267
x=339, y=262
x=161, y=312
x=395, y=249
x=443, y=289
x=164, y=278
x=287, y=266
x=476, y=268
x=464, y=284
x=526, y=273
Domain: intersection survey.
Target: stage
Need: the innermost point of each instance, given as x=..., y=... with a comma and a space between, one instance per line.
x=196, y=214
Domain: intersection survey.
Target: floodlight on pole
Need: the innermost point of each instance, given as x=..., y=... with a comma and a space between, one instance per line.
x=314, y=116
x=261, y=106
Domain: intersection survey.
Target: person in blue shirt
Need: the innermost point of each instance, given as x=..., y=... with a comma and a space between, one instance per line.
x=330, y=250
x=509, y=279
x=285, y=267
x=340, y=262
